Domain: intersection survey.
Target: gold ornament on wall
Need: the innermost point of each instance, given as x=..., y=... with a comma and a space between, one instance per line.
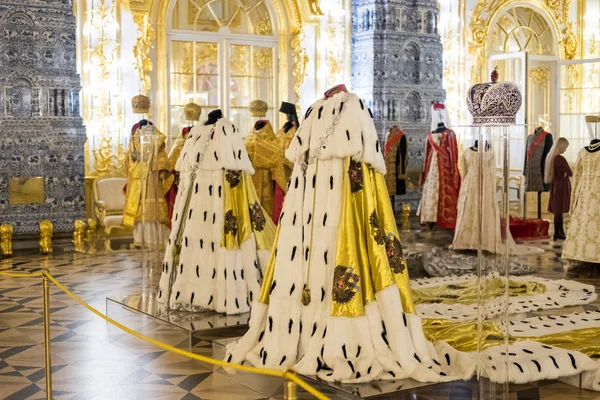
x=300, y=61
x=46, y=230
x=315, y=8
x=335, y=29
x=540, y=76
x=6, y=232
x=141, y=50
x=263, y=60
x=570, y=42
x=106, y=162
x=561, y=9
x=572, y=82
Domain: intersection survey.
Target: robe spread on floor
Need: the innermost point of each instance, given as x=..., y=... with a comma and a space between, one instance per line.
x=337, y=245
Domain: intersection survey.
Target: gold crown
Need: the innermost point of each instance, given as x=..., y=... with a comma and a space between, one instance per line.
x=192, y=112
x=258, y=108
x=140, y=104
x=592, y=119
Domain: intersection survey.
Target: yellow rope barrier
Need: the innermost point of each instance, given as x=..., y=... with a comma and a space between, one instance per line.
x=21, y=275
x=288, y=375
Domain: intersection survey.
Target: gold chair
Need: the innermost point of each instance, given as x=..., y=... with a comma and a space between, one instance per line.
x=109, y=201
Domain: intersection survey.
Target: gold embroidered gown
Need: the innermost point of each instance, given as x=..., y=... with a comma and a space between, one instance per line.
x=148, y=180
x=583, y=236
x=337, y=238
x=267, y=159
x=221, y=237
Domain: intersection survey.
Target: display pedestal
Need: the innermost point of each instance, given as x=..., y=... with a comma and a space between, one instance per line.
x=144, y=308
x=332, y=390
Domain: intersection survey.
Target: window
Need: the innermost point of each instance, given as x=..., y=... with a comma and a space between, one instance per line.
x=223, y=54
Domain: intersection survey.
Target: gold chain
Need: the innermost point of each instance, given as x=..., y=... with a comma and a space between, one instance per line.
x=306, y=291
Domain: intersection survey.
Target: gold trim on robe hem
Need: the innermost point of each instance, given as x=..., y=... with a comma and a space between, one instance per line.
x=463, y=336
x=244, y=214
x=156, y=167
x=367, y=244
x=466, y=292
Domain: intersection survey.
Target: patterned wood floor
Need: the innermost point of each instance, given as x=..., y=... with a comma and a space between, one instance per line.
x=94, y=361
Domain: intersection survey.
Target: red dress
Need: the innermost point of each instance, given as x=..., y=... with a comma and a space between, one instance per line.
x=449, y=186
x=560, y=188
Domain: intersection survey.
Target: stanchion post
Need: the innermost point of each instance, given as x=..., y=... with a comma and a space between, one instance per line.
x=46, y=286
x=290, y=391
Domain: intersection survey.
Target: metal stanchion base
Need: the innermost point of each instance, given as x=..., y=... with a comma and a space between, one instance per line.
x=273, y=386
x=203, y=325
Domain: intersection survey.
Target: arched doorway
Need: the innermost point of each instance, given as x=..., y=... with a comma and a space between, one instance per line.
x=523, y=44
x=221, y=54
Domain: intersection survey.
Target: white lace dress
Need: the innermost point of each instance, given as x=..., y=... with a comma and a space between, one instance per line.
x=428, y=207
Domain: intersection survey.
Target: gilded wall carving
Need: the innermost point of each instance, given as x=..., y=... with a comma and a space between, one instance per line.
x=485, y=12
x=141, y=50
x=300, y=61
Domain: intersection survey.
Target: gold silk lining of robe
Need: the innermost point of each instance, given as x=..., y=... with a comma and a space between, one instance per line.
x=466, y=292
x=264, y=150
x=285, y=139
x=463, y=336
x=269, y=273
x=240, y=201
x=150, y=180
x=362, y=261
x=178, y=148
x=356, y=245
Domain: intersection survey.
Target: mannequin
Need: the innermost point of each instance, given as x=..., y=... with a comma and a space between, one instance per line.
x=440, y=178
x=285, y=136
x=149, y=179
x=221, y=238
x=336, y=300
x=593, y=125
x=439, y=114
x=396, y=162
x=192, y=113
x=466, y=236
x=213, y=117
x=538, y=145
x=583, y=235
x=264, y=150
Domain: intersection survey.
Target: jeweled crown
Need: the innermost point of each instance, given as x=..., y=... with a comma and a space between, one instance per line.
x=140, y=104
x=258, y=108
x=494, y=103
x=192, y=112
